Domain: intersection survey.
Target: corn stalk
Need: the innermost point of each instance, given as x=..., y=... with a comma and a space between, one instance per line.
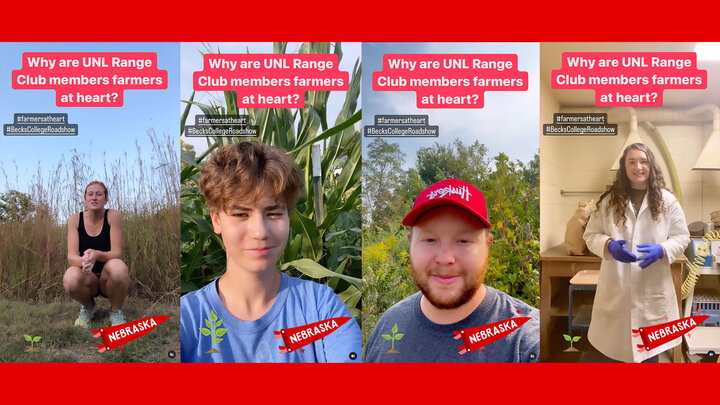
x=335, y=242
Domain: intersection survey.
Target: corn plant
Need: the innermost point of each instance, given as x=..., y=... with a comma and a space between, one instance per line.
x=323, y=248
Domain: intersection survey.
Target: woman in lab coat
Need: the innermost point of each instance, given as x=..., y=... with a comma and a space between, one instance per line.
x=638, y=229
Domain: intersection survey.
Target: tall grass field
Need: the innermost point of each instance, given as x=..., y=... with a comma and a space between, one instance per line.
x=33, y=242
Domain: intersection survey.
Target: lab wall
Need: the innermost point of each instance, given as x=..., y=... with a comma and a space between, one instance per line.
x=578, y=168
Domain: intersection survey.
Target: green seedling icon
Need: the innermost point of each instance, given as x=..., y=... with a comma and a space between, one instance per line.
x=212, y=330
x=571, y=339
x=395, y=336
x=32, y=341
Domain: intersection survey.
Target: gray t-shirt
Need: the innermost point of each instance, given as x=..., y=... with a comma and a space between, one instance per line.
x=423, y=341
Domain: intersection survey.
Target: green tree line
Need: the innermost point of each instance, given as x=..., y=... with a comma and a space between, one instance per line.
x=511, y=191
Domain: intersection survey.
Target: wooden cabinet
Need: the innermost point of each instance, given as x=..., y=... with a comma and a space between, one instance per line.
x=556, y=270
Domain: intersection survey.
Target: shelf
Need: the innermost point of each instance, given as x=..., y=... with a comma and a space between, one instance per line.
x=559, y=302
x=707, y=271
x=702, y=339
x=581, y=318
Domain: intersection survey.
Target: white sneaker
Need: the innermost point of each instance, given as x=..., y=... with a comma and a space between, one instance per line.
x=86, y=315
x=117, y=317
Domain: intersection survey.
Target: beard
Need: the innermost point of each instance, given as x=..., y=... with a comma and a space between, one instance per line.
x=470, y=286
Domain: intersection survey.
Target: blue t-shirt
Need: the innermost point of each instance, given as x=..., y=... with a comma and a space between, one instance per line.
x=299, y=302
x=424, y=341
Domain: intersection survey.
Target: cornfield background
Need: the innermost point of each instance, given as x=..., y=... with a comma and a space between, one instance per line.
x=324, y=245
x=33, y=246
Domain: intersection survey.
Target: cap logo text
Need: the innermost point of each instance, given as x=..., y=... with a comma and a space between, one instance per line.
x=463, y=192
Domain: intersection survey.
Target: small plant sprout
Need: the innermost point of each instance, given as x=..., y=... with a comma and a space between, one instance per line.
x=571, y=339
x=212, y=330
x=32, y=341
x=395, y=336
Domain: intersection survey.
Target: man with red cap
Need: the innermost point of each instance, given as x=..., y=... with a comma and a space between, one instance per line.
x=449, y=244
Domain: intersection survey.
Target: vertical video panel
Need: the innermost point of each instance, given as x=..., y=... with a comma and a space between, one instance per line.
x=89, y=208
x=630, y=193
x=270, y=202
x=450, y=202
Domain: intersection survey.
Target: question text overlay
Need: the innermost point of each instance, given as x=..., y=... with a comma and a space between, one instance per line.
x=450, y=80
x=89, y=79
x=629, y=79
x=269, y=80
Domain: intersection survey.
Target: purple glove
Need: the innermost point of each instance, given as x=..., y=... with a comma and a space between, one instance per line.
x=616, y=249
x=652, y=252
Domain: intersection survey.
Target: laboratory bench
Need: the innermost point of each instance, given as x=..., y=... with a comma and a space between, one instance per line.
x=556, y=269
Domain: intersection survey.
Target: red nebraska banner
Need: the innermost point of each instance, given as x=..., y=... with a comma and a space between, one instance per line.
x=297, y=337
x=116, y=336
x=475, y=338
x=657, y=335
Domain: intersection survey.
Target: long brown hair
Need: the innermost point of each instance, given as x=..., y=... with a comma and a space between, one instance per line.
x=619, y=191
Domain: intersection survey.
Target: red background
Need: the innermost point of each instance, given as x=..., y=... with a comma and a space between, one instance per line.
x=566, y=21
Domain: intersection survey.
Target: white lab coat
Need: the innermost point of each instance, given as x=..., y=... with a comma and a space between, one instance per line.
x=629, y=297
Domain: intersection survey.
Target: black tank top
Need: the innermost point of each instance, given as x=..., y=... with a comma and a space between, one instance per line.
x=100, y=242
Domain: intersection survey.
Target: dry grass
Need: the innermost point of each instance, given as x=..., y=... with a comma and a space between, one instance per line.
x=61, y=342
x=33, y=252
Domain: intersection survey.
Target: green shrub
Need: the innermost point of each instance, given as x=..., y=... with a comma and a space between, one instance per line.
x=511, y=192
x=386, y=276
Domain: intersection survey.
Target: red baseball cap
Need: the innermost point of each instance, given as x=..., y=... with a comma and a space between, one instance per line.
x=449, y=192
